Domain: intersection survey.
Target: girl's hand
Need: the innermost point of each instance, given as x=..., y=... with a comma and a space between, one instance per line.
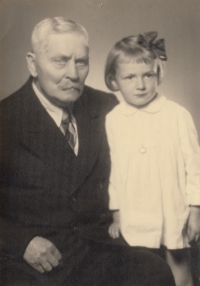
x=114, y=228
x=193, y=229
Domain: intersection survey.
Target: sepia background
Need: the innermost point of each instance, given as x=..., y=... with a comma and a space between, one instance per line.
x=107, y=21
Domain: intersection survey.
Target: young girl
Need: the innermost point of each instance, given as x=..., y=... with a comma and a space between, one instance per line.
x=155, y=177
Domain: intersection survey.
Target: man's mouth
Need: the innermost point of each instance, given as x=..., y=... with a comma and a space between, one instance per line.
x=70, y=87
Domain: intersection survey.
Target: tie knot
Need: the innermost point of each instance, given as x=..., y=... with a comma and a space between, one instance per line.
x=66, y=119
x=65, y=123
x=67, y=116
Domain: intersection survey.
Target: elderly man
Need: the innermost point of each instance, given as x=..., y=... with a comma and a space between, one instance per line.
x=54, y=175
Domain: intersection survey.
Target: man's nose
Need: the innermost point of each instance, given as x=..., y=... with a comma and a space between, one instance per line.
x=71, y=71
x=140, y=84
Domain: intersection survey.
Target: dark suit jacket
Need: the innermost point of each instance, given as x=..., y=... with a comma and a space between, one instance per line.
x=45, y=189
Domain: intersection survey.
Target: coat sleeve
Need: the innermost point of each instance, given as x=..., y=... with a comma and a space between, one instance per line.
x=113, y=197
x=15, y=238
x=191, y=153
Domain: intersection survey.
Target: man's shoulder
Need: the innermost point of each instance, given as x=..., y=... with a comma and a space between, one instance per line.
x=97, y=94
x=101, y=100
x=16, y=95
x=17, y=105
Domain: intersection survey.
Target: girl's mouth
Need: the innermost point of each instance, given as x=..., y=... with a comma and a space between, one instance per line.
x=141, y=95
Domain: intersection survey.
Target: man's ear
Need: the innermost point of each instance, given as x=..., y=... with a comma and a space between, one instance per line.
x=30, y=59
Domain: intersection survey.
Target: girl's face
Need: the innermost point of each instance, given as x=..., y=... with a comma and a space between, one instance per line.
x=137, y=82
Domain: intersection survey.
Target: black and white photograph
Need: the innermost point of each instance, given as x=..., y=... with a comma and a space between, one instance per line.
x=100, y=143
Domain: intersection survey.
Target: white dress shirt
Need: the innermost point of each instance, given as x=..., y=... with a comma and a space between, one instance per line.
x=56, y=114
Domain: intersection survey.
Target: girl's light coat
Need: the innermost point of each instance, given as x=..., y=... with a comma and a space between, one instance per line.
x=153, y=190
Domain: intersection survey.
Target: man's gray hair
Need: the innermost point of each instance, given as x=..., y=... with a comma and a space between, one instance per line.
x=55, y=25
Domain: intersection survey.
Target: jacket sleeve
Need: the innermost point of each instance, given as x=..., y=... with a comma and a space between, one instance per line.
x=15, y=238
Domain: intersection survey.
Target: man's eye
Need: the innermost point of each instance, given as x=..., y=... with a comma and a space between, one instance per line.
x=82, y=63
x=60, y=61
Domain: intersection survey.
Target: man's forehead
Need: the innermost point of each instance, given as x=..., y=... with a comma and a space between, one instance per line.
x=65, y=42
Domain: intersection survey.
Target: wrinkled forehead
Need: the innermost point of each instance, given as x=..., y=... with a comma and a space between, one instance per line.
x=58, y=41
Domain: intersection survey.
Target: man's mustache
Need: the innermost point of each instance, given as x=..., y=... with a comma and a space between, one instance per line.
x=70, y=86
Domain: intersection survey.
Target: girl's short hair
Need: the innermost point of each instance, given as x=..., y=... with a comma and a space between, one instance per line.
x=55, y=25
x=131, y=49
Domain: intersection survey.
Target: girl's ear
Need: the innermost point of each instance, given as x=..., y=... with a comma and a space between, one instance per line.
x=30, y=59
x=114, y=84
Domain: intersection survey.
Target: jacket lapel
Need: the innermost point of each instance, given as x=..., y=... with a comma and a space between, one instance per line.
x=42, y=137
x=88, y=122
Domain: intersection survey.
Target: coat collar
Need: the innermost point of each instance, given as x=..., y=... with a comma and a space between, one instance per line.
x=154, y=107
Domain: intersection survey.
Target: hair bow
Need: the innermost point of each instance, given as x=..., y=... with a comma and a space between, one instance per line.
x=147, y=41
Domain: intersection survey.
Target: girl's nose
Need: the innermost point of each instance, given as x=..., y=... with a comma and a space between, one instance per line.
x=140, y=84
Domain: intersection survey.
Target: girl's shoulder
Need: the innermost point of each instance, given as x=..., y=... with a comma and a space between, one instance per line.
x=116, y=111
x=176, y=106
x=178, y=110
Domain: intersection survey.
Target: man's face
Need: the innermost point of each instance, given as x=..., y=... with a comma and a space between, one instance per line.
x=61, y=68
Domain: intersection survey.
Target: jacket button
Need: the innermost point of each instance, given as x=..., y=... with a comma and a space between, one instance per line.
x=102, y=216
x=73, y=199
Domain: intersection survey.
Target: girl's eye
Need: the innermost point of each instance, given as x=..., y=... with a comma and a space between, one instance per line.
x=149, y=75
x=130, y=77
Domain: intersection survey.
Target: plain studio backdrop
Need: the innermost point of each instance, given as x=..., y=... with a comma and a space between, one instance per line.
x=107, y=21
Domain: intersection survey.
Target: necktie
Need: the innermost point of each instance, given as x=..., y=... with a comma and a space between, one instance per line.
x=70, y=131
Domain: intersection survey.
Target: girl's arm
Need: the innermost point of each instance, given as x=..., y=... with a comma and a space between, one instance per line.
x=112, y=189
x=191, y=152
x=114, y=228
x=193, y=229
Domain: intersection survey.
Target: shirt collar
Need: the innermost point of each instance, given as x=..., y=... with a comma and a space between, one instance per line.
x=54, y=111
x=153, y=107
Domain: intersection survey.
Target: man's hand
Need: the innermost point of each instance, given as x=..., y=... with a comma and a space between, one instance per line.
x=42, y=254
x=193, y=229
x=114, y=228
